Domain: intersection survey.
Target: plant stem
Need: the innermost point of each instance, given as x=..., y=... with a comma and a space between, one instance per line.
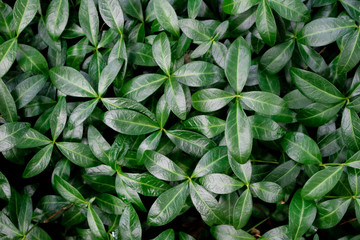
x=258, y=224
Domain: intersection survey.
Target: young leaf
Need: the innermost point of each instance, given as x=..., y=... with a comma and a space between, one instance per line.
x=141, y=87
x=237, y=64
x=67, y=191
x=11, y=133
x=195, y=30
x=58, y=118
x=57, y=16
x=321, y=182
x=7, y=104
x=162, y=52
x=130, y=226
x=206, y=205
x=198, y=74
x=211, y=99
x=238, y=134
x=81, y=113
x=78, y=153
x=129, y=122
x=315, y=87
x=302, y=214
x=323, y=31
x=190, y=142
x=108, y=75
x=39, y=162
x=89, y=20
x=71, y=82
x=168, y=205
x=242, y=171
x=301, y=148
x=243, y=209
x=214, y=161
x=111, y=13
x=267, y=191
x=8, y=51
x=162, y=167
x=167, y=17
x=96, y=225
x=175, y=98
x=265, y=23
x=193, y=8
x=24, y=12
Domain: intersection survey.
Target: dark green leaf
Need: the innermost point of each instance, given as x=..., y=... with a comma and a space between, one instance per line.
x=89, y=20
x=39, y=162
x=265, y=23
x=11, y=133
x=67, y=191
x=211, y=99
x=267, y=191
x=78, y=153
x=57, y=16
x=7, y=104
x=243, y=209
x=24, y=11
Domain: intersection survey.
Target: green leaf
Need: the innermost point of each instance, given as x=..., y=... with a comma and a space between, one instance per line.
x=238, y=134
x=108, y=75
x=263, y=102
x=24, y=12
x=276, y=233
x=296, y=100
x=352, y=8
x=302, y=214
x=201, y=50
x=214, y=161
x=98, y=145
x=167, y=17
x=67, y=191
x=39, y=162
x=284, y=174
x=274, y=59
x=162, y=111
x=324, y=31
x=293, y=10
x=190, y=142
x=354, y=161
x=315, y=87
x=162, y=52
x=175, y=98
x=127, y=194
x=168, y=205
x=227, y=232
x=331, y=212
x=78, y=153
x=8, y=228
x=267, y=191
x=130, y=224
x=144, y=183
x=209, y=126
x=220, y=183
x=132, y=8
x=71, y=82
x=206, y=205
x=301, y=148
x=243, y=209
x=265, y=129
x=162, y=167
x=242, y=171
x=11, y=133
x=129, y=122
x=211, y=99
x=168, y=234
x=313, y=59
x=317, y=114
x=149, y=143
x=141, y=87
x=89, y=20
x=237, y=6
x=8, y=52
x=57, y=16
x=58, y=118
x=195, y=30
x=7, y=104
x=31, y=60
x=321, y=182
x=96, y=225
x=28, y=89
x=110, y=204
x=265, y=23
x=81, y=113
x=349, y=56
x=350, y=127
x=193, y=8
x=237, y=64
x=6, y=17
x=25, y=213
x=111, y=13
x=198, y=74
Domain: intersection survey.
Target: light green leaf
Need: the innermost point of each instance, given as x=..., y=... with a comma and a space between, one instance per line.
x=89, y=20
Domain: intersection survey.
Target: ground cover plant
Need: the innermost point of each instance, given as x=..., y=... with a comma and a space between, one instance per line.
x=199, y=119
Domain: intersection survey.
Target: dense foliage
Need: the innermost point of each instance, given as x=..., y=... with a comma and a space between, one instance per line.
x=199, y=119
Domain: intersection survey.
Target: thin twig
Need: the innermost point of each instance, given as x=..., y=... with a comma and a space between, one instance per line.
x=351, y=220
x=58, y=212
